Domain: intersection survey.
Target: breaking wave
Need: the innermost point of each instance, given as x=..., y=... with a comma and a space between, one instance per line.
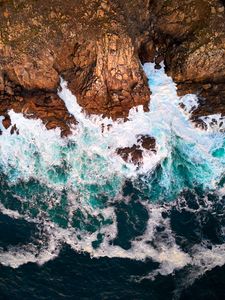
x=78, y=191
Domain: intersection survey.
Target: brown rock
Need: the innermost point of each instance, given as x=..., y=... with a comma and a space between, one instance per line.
x=195, y=53
x=201, y=56
x=2, y=82
x=131, y=154
x=178, y=19
x=6, y=122
x=147, y=52
x=220, y=9
x=34, y=73
x=37, y=104
x=213, y=10
x=147, y=142
x=97, y=46
x=211, y=100
x=94, y=44
x=159, y=59
x=9, y=90
x=134, y=154
x=114, y=76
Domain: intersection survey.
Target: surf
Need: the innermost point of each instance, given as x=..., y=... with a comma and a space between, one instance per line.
x=72, y=187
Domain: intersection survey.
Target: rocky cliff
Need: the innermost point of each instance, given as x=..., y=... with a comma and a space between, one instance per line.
x=193, y=48
x=92, y=44
x=98, y=47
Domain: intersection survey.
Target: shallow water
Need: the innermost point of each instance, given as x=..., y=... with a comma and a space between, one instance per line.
x=70, y=199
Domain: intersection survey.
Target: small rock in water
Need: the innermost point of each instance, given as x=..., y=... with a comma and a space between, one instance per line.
x=135, y=153
x=157, y=67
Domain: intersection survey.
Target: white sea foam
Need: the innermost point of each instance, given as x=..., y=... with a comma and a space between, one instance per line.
x=214, y=122
x=189, y=103
x=11, y=213
x=92, y=161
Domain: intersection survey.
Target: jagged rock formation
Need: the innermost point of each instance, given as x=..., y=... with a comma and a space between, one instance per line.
x=194, y=49
x=93, y=44
x=97, y=47
x=107, y=77
x=34, y=104
x=134, y=154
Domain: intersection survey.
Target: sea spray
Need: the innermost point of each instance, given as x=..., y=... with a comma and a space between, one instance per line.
x=72, y=187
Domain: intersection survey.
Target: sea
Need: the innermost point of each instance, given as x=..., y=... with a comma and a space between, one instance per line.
x=79, y=222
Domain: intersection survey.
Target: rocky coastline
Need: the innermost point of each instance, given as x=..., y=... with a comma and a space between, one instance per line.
x=98, y=48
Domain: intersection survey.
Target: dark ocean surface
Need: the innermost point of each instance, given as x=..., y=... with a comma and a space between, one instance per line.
x=78, y=222
x=77, y=276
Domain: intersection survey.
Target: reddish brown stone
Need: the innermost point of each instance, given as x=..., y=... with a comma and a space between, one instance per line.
x=135, y=153
x=6, y=122
x=46, y=106
x=211, y=99
x=94, y=44
x=97, y=46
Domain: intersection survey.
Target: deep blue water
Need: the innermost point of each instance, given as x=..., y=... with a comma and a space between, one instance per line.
x=77, y=222
x=74, y=276
x=77, y=276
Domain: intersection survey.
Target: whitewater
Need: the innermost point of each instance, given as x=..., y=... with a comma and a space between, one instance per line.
x=71, y=187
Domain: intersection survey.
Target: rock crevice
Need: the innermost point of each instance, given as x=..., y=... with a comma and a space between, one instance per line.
x=98, y=47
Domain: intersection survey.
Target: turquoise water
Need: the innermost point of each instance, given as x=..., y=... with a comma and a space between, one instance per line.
x=77, y=191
